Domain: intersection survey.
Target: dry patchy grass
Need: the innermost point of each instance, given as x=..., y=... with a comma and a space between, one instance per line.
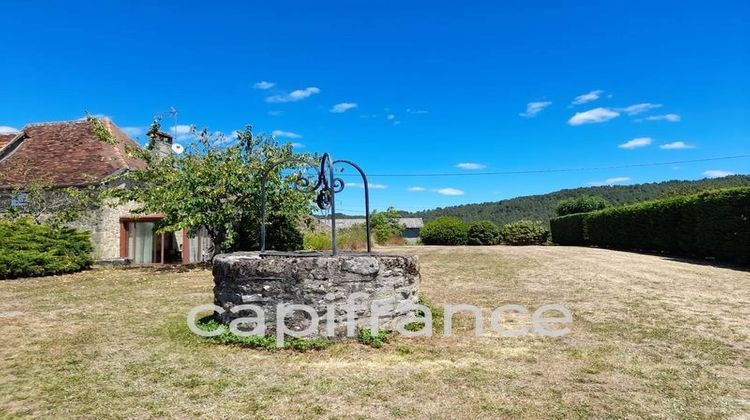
x=651, y=337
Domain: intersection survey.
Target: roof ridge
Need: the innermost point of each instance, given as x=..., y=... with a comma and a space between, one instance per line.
x=37, y=124
x=75, y=121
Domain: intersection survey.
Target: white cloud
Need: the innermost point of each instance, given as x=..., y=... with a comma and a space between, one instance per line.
x=470, y=166
x=294, y=96
x=676, y=145
x=636, y=143
x=392, y=118
x=665, y=117
x=133, y=131
x=449, y=191
x=343, y=107
x=417, y=189
x=717, y=173
x=5, y=129
x=298, y=145
x=534, y=108
x=610, y=181
x=263, y=85
x=587, y=97
x=417, y=111
x=181, y=130
x=371, y=185
x=287, y=134
x=593, y=116
x=639, y=108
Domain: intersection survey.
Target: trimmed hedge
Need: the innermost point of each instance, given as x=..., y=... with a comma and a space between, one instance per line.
x=444, y=231
x=711, y=224
x=483, y=232
x=524, y=232
x=568, y=230
x=28, y=249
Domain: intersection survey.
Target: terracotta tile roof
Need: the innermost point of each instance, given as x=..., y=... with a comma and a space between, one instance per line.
x=65, y=153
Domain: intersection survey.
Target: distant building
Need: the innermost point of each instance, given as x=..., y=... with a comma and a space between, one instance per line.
x=413, y=225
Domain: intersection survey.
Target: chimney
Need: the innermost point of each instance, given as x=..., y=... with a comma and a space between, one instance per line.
x=161, y=142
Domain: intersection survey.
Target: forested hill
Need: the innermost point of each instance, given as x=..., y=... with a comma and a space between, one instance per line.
x=542, y=207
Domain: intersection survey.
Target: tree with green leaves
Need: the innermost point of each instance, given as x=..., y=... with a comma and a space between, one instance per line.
x=385, y=225
x=581, y=204
x=216, y=184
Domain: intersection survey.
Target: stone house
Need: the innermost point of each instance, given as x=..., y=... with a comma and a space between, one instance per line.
x=72, y=154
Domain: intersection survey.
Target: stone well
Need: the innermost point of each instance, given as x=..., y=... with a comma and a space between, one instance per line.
x=320, y=281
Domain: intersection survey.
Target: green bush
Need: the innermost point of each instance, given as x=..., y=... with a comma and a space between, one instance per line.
x=316, y=241
x=282, y=234
x=581, y=204
x=260, y=341
x=444, y=231
x=377, y=341
x=353, y=238
x=385, y=226
x=568, y=230
x=28, y=249
x=483, y=232
x=711, y=224
x=524, y=232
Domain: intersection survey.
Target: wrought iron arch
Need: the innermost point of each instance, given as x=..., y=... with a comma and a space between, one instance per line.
x=327, y=186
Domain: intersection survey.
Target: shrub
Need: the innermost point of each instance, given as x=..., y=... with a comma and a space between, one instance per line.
x=377, y=341
x=316, y=241
x=259, y=341
x=444, y=231
x=712, y=224
x=282, y=234
x=348, y=239
x=29, y=249
x=568, y=230
x=483, y=232
x=385, y=225
x=524, y=232
x=353, y=238
x=581, y=204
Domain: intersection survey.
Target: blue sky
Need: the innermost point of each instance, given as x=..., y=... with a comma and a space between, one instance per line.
x=496, y=86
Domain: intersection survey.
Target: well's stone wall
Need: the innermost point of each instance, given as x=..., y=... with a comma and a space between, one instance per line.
x=320, y=281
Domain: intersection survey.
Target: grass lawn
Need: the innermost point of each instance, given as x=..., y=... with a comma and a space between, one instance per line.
x=651, y=337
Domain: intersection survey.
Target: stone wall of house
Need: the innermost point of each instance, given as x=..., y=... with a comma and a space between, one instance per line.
x=320, y=281
x=104, y=225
